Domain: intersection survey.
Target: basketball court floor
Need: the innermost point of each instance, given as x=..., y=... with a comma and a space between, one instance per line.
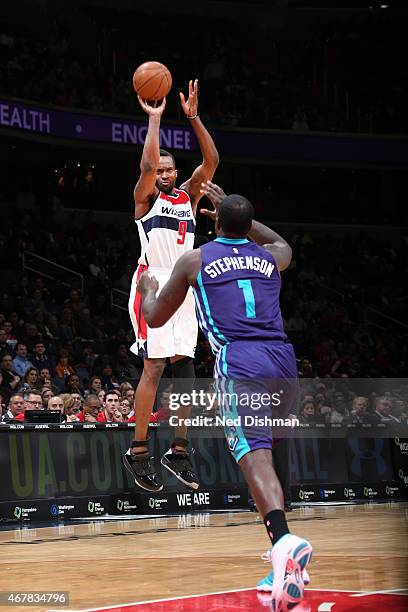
x=209, y=561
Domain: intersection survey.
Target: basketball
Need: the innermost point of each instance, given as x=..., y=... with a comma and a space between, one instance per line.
x=152, y=81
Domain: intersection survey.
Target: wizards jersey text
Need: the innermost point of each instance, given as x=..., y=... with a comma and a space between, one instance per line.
x=166, y=233
x=167, y=230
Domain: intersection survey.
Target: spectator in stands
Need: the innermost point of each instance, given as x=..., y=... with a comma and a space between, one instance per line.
x=45, y=377
x=307, y=412
x=75, y=302
x=36, y=303
x=84, y=325
x=130, y=395
x=21, y=363
x=163, y=411
x=10, y=335
x=125, y=408
x=15, y=407
x=39, y=321
x=11, y=380
x=400, y=410
x=78, y=402
x=53, y=329
x=125, y=386
x=66, y=329
x=70, y=411
x=339, y=410
x=110, y=412
x=101, y=396
x=55, y=403
x=40, y=358
x=32, y=336
x=23, y=289
x=320, y=400
x=32, y=401
x=90, y=410
x=3, y=340
x=322, y=407
x=94, y=385
x=73, y=384
x=305, y=370
x=63, y=367
x=124, y=367
x=358, y=412
x=109, y=380
x=46, y=394
x=31, y=381
x=382, y=411
x=87, y=358
x=18, y=324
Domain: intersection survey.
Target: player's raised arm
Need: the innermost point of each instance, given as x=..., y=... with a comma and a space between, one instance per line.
x=272, y=242
x=259, y=233
x=145, y=188
x=158, y=310
x=206, y=170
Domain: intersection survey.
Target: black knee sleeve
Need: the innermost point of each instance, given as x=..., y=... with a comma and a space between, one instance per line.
x=183, y=375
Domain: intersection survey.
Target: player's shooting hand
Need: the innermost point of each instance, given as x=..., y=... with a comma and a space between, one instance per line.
x=151, y=107
x=215, y=194
x=147, y=283
x=190, y=107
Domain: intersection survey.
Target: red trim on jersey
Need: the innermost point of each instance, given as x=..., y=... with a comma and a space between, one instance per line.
x=137, y=307
x=181, y=198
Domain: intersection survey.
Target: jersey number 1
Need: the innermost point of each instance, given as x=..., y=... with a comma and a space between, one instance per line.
x=249, y=298
x=182, y=232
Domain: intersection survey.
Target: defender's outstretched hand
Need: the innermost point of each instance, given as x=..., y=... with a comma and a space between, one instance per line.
x=147, y=283
x=190, y=107
x=151, y=108
x=215, y=194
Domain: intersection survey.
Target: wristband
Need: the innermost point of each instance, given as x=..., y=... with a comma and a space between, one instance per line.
x=191, y=118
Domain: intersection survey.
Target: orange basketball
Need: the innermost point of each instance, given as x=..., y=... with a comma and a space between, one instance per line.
x=152, y=81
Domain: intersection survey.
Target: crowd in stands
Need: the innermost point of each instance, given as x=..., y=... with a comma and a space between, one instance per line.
x=69, y=347
x=335, y=402
x=330, y=77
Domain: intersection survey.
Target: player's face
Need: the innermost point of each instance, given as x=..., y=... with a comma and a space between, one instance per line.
x=166, y=175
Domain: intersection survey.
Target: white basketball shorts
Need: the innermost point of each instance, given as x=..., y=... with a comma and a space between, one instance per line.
x=176, y=337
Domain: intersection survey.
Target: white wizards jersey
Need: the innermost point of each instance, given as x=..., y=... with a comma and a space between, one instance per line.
x=167, y=231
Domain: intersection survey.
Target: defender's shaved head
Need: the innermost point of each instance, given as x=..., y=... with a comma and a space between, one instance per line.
x=235, y=214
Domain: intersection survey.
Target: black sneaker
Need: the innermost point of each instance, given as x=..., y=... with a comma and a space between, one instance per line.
x=179, y=464
x=143, y=471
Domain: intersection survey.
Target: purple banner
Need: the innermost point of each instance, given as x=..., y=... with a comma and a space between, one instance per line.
x=264, y=145
x=95, y=128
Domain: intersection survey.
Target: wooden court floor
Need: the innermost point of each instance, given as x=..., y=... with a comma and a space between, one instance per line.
x=103, y=563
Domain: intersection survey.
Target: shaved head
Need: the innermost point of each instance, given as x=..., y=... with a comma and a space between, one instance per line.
x=235, y=215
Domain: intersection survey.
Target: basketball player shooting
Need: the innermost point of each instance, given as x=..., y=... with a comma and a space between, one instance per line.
x=236, y=285
x=165, y=217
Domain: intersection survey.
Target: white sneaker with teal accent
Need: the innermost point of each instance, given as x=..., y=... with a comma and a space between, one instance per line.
x=289, y=558
x=265, y=585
